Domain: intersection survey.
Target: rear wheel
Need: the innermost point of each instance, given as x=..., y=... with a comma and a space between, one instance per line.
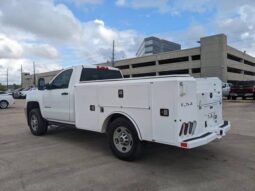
x=38, y=126
x=233, y=98
x=3, y=104
x=123, y=140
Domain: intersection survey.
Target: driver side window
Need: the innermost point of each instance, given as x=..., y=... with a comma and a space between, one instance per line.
x=62, y=80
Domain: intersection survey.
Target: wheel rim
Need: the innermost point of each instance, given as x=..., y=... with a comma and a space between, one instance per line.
x=34, y=122
x=3, y=104
x=123, y=139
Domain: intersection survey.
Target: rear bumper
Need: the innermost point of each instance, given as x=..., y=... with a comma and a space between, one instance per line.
x=207, y=137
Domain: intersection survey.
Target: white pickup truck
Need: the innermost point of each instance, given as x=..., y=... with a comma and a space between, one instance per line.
x=175, y=110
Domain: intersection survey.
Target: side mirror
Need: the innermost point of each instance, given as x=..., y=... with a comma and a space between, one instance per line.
x=41, y=84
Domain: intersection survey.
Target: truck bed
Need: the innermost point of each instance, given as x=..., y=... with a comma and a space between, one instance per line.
x=189, y=102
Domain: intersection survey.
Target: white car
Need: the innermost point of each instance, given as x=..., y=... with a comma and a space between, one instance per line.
x=175, y=110
x=6, y=100
x=226, y=89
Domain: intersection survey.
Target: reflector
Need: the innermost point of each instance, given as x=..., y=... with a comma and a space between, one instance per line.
x=184, y=145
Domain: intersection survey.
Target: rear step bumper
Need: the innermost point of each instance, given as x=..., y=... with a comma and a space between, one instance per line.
x=207, y=137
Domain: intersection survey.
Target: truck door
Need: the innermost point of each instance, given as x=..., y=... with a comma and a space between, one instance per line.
x=56, y=98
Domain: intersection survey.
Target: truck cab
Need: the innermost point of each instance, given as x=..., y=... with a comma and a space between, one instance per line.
x=57, y=98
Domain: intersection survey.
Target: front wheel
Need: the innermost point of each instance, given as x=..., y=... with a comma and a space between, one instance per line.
x=123, y=140
x=38, y=126
x=3, y=104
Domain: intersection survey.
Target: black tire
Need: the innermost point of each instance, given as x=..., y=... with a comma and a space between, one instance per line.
x=233, y=98
x=41, y=127
x=228, y=97
x=3, y=104
x=244, y=98
x=134, y=146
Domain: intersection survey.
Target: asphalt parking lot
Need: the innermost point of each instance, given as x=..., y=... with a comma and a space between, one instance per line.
x=70, y=159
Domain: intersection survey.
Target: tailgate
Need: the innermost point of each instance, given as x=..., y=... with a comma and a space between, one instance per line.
x=209, y=99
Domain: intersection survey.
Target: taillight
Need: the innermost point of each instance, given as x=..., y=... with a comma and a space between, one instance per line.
x=194, y=127
x=188, y=128
x=182, y=129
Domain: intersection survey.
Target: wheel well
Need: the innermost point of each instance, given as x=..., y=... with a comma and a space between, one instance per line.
x=32, y=105
x=114, y=116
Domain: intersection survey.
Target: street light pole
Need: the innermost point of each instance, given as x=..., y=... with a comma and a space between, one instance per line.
x=244, y=52
x=34, y=74
x=7, y=80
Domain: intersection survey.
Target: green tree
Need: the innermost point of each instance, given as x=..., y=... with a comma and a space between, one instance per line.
x=2, y=87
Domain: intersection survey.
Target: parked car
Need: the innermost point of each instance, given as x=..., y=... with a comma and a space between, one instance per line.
x=243, y=89
x=16, y=93
x=6, y=100
x=226, y=89
x=175, y=110
x=25, y=91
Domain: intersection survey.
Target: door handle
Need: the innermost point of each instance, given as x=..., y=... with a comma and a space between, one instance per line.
x=64, y=93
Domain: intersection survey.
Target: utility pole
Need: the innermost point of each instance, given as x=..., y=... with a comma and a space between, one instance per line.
x=21, y=80
x=7, y=80
x=34, y=74
x=113, y=52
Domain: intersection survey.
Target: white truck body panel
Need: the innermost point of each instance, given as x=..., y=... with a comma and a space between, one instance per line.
x=162, y=109
x=142, y=101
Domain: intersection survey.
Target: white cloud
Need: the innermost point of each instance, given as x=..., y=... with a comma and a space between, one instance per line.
x=41, y=50
x=240, y=27
x=41, y=18
x=14, y=67
x=79, y=2
x=9, y=48
x=121, y=2
x=46, y=29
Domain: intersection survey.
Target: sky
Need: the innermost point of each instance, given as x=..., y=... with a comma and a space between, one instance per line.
x=56, y=34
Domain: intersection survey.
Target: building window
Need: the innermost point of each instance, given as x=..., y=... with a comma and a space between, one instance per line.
x=249, y=63
x=170, y=72
x=249, y=73
x=235, y=58
x=123, y=67
x=174, y=60
x=148, y=42
x=196, y=70
x=234, y=70
x=148, y=49
x=144, y=74
x=196, y=57
x=144, y=64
